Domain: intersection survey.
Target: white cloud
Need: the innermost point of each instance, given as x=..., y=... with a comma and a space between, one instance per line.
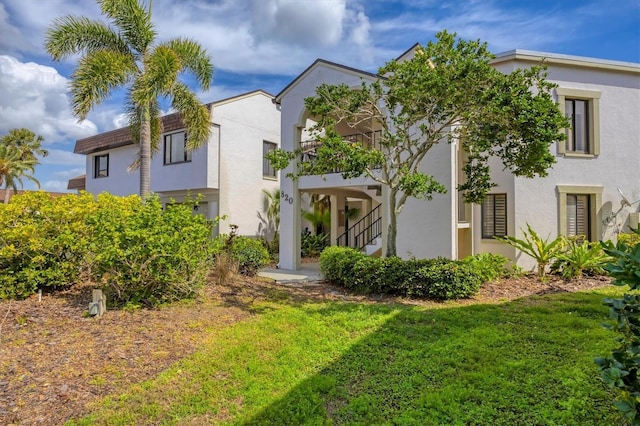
x=68, y=173
x=35, y=96
x=54, y=185
x=10, y=36
x=306, y=24
x=62, y=157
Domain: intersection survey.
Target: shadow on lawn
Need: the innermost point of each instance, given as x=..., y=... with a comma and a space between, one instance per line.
x=517, y=363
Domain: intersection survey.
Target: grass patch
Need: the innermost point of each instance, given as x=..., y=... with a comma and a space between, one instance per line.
x=525, y=362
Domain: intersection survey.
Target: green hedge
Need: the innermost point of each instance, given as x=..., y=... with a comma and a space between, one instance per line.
x=146, y=255
x=425, y=278
x=139, y=252
x=44, y=242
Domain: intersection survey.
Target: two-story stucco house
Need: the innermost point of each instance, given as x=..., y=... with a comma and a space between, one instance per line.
x=229, y=172
x=580, y=196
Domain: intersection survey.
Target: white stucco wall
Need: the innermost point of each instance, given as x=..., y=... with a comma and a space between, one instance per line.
x=227, y=171
x=293, y=119
x=535, y=201
x=244, y=125
x=427, y=229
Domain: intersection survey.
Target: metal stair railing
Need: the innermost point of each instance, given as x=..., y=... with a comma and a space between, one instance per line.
x=364, y=231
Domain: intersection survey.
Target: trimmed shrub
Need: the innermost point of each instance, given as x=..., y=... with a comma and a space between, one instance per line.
x=446, y=280
x=146, y=255
x=431, y=278
x=44, y=242
x=249, y=254
x=336, y=264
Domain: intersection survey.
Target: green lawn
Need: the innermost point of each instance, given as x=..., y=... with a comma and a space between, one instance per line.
x=529, y=362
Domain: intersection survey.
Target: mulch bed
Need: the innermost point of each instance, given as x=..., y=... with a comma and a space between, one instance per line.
x=55, y=361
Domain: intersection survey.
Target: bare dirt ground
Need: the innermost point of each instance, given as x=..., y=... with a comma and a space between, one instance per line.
x=54, y=361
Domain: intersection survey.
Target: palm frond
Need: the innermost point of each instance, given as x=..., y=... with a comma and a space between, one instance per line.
x=71, y=35
x=194, y=59
x=133, y=20
x=97, y=74
x=195, y=115
x=161, y=69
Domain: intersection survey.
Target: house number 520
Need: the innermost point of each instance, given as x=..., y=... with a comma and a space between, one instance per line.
x=286, y=197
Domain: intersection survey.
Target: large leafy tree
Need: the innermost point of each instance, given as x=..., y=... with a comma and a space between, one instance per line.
x=14, y=168
x=448, y=92
x=124, y=53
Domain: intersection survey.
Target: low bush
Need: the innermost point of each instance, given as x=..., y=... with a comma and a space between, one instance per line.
x=146, y=255
x=249, y=254
x=44, y=242
x=621, y=369
x=446, y=280
x=428, y=278
x=488, y=266
x=630, y=239
x=336, y=264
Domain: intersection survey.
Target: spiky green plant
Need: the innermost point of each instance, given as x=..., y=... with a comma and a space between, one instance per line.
x=580, y=256
x=542, y=250
x=124, y=53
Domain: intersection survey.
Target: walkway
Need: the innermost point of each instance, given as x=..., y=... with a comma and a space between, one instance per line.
x=309, y=272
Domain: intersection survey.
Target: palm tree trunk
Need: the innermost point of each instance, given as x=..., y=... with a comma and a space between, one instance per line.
x=145, y=154
x=7, y=195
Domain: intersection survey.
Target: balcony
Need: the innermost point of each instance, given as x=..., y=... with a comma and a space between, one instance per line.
x=368, y=139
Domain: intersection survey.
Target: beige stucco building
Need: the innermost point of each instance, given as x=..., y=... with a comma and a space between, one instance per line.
x=581, y=195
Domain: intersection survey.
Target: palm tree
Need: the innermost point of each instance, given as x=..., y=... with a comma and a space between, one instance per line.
x=271, y=218
x=13, y=168
x=27, y=142
x=124, y=53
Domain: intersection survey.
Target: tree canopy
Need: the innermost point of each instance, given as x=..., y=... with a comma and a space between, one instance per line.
x=448, y=91
x=124, y=53
x=19, y=152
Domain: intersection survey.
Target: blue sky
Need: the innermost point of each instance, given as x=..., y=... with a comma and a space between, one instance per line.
x=264, y=44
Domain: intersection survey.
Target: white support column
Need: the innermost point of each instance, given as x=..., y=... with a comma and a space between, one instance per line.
x=290, y=223
x=334, y=220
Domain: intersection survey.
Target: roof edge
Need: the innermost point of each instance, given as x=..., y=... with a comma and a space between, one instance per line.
x=315, y=63
x=560, y=59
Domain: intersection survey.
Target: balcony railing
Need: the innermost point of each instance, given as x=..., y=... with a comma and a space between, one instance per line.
x=368, y=139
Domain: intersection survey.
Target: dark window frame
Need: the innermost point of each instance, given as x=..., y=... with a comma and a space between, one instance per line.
x=570, y=144
x=486, y=234
x=267, y=168
x=168, y=151
x=586, y=201
x=98, y=171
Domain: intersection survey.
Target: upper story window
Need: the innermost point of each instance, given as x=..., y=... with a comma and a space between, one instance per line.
x=577, y=110
x=101, y=166
x=175, y=148
x=582, y=108
x=494, y=216
x=267, y=169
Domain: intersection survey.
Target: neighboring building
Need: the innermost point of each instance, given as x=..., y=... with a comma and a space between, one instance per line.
x=579, y=197
x=229, y=172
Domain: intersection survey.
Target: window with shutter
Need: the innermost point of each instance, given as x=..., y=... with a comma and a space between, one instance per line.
x=494, y=216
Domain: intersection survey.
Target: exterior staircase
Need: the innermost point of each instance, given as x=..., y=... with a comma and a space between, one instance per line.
x=365, y=234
